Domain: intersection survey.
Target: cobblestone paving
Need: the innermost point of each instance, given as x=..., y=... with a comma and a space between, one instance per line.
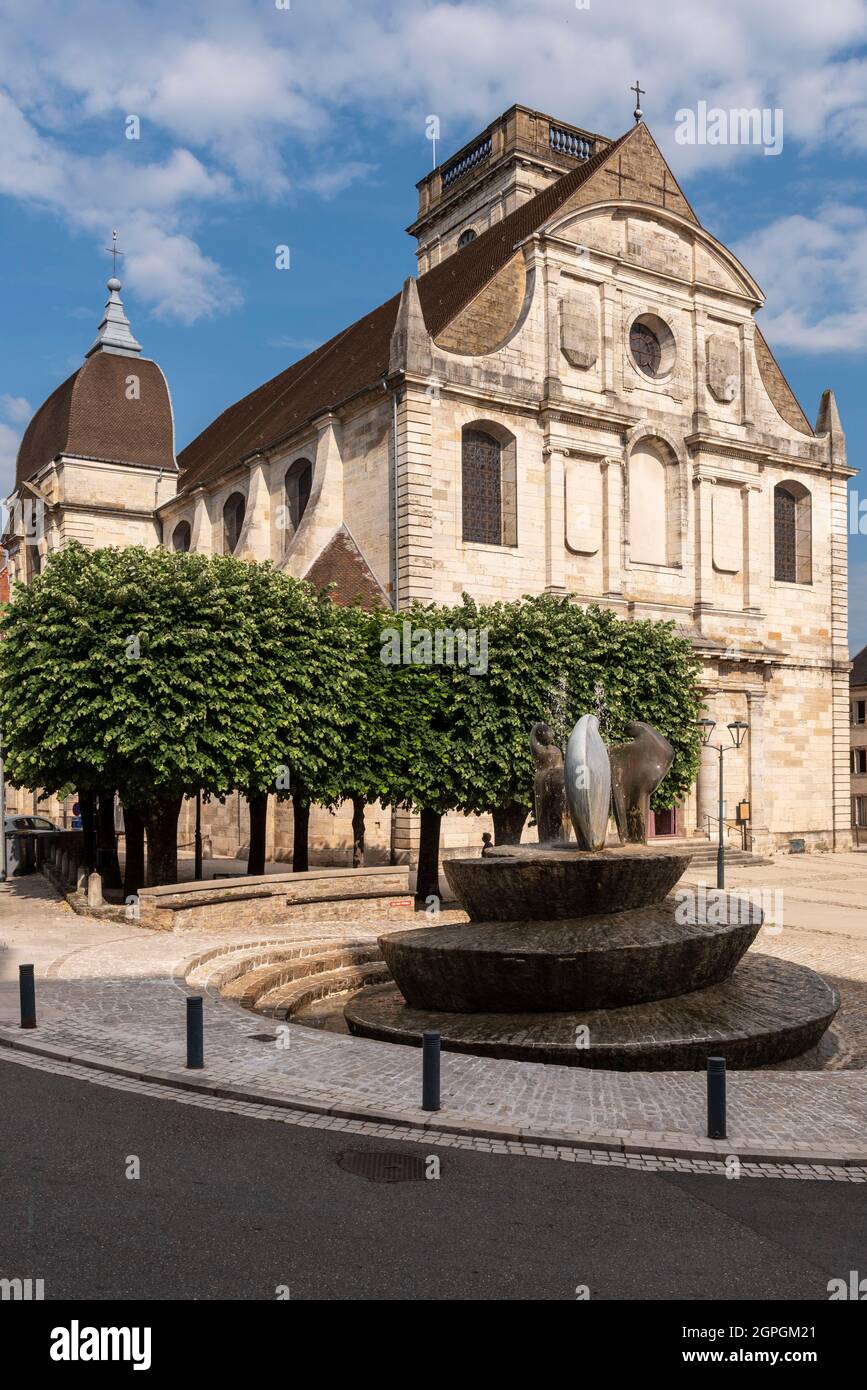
x=114, y=994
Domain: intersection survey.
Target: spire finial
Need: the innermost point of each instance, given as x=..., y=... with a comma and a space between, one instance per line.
x=639, y=93
x=114, y=253
x=114, y=333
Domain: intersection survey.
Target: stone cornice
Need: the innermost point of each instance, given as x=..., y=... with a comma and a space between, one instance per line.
x=723, y=447
x=107, y=509
x=612, y=422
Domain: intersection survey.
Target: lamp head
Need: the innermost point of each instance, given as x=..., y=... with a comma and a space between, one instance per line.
x=707, y=727
x=738, y=730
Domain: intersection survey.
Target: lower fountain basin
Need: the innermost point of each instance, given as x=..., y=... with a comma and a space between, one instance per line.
x=769, y=1011
x=533, y=882
x=604, y=961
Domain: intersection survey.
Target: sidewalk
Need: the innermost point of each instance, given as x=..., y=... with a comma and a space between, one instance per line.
x=112, y=995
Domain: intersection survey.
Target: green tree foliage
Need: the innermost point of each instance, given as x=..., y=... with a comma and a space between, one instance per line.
x=456, y=735
x=550, y=659
x=161, y=673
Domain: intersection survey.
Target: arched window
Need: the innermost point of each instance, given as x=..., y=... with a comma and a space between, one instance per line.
x=233, y=520
x=489, y=485
x=299, y=481
x=181, y=536
x=793, y=534
x=466, y=237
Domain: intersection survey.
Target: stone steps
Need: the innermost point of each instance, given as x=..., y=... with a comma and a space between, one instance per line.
x=249, y=987
x=706, y=856
x=288, y=999
x=217, y=968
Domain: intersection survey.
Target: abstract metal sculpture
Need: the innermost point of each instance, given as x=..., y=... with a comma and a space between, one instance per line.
x=637, y=768
x=548, y=791
x=588, y=783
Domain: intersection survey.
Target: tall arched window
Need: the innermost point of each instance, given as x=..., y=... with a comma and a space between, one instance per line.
x=233, y=520
x=793, y=534
x=299, y=481
x=181, y=536
x=489, y=486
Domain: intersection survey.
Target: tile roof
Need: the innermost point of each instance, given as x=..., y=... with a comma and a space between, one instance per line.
x=91, y=415
x=358, y=357
x=858, y=674
x=342, y=564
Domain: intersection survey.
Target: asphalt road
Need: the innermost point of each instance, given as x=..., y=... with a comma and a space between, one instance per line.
x=228, y=1207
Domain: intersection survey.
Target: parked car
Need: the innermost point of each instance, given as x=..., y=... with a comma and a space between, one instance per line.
x=38, y=824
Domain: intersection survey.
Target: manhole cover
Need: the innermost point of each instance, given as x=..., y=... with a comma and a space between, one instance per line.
x=381, y=1166
x=262, y=1037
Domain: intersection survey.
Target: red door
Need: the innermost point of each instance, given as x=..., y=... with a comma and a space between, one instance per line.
x=664, y=822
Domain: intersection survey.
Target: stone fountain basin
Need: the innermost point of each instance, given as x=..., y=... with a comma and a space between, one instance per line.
x=605, y=961
x=542, y=883
x=766, y=1012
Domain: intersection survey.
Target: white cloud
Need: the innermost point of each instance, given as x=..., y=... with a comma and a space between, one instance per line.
x=331, y=181
x=294, y=344
x=15, y=408
x=15, y=412
x=815, y=269
x=240, y=99
x=9, y=441
x=92, y=193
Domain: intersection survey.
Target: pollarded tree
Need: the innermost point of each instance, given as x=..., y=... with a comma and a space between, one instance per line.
x=359, y=757
x=156, y=673
x=314, y=700
x=417, y=757
x=551, y=659
x=455, y=721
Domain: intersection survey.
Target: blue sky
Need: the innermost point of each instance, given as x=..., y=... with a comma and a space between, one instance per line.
x=263, y=125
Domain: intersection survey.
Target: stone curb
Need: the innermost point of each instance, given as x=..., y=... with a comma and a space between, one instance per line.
x=651, y=1143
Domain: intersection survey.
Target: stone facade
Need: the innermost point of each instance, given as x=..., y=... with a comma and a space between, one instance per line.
x=655, y=491
x=858, y=744
x=515, y=157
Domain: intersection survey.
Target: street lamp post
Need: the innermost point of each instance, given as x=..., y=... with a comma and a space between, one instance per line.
x=738, y=730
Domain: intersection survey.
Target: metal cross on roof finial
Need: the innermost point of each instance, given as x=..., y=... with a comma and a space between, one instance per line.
x=639, y=93
x=114, y=253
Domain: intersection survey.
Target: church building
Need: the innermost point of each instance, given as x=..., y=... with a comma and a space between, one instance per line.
x=572, y=397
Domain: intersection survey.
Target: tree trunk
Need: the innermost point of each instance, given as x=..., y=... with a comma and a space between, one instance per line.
x=509, y=823
x=87, y=802
x=106, y=841
x=161, y=823
x=358, y=804
x=258, y=804
x=427, y=880
x=301, y=818
x=134, y=862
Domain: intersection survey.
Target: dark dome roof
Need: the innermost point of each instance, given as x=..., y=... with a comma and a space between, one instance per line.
x=92, y=416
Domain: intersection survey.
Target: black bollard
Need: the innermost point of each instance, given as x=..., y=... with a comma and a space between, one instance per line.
x=195, y=1032
x=716, y=1097
x=27, y=992
x=430, y=1071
